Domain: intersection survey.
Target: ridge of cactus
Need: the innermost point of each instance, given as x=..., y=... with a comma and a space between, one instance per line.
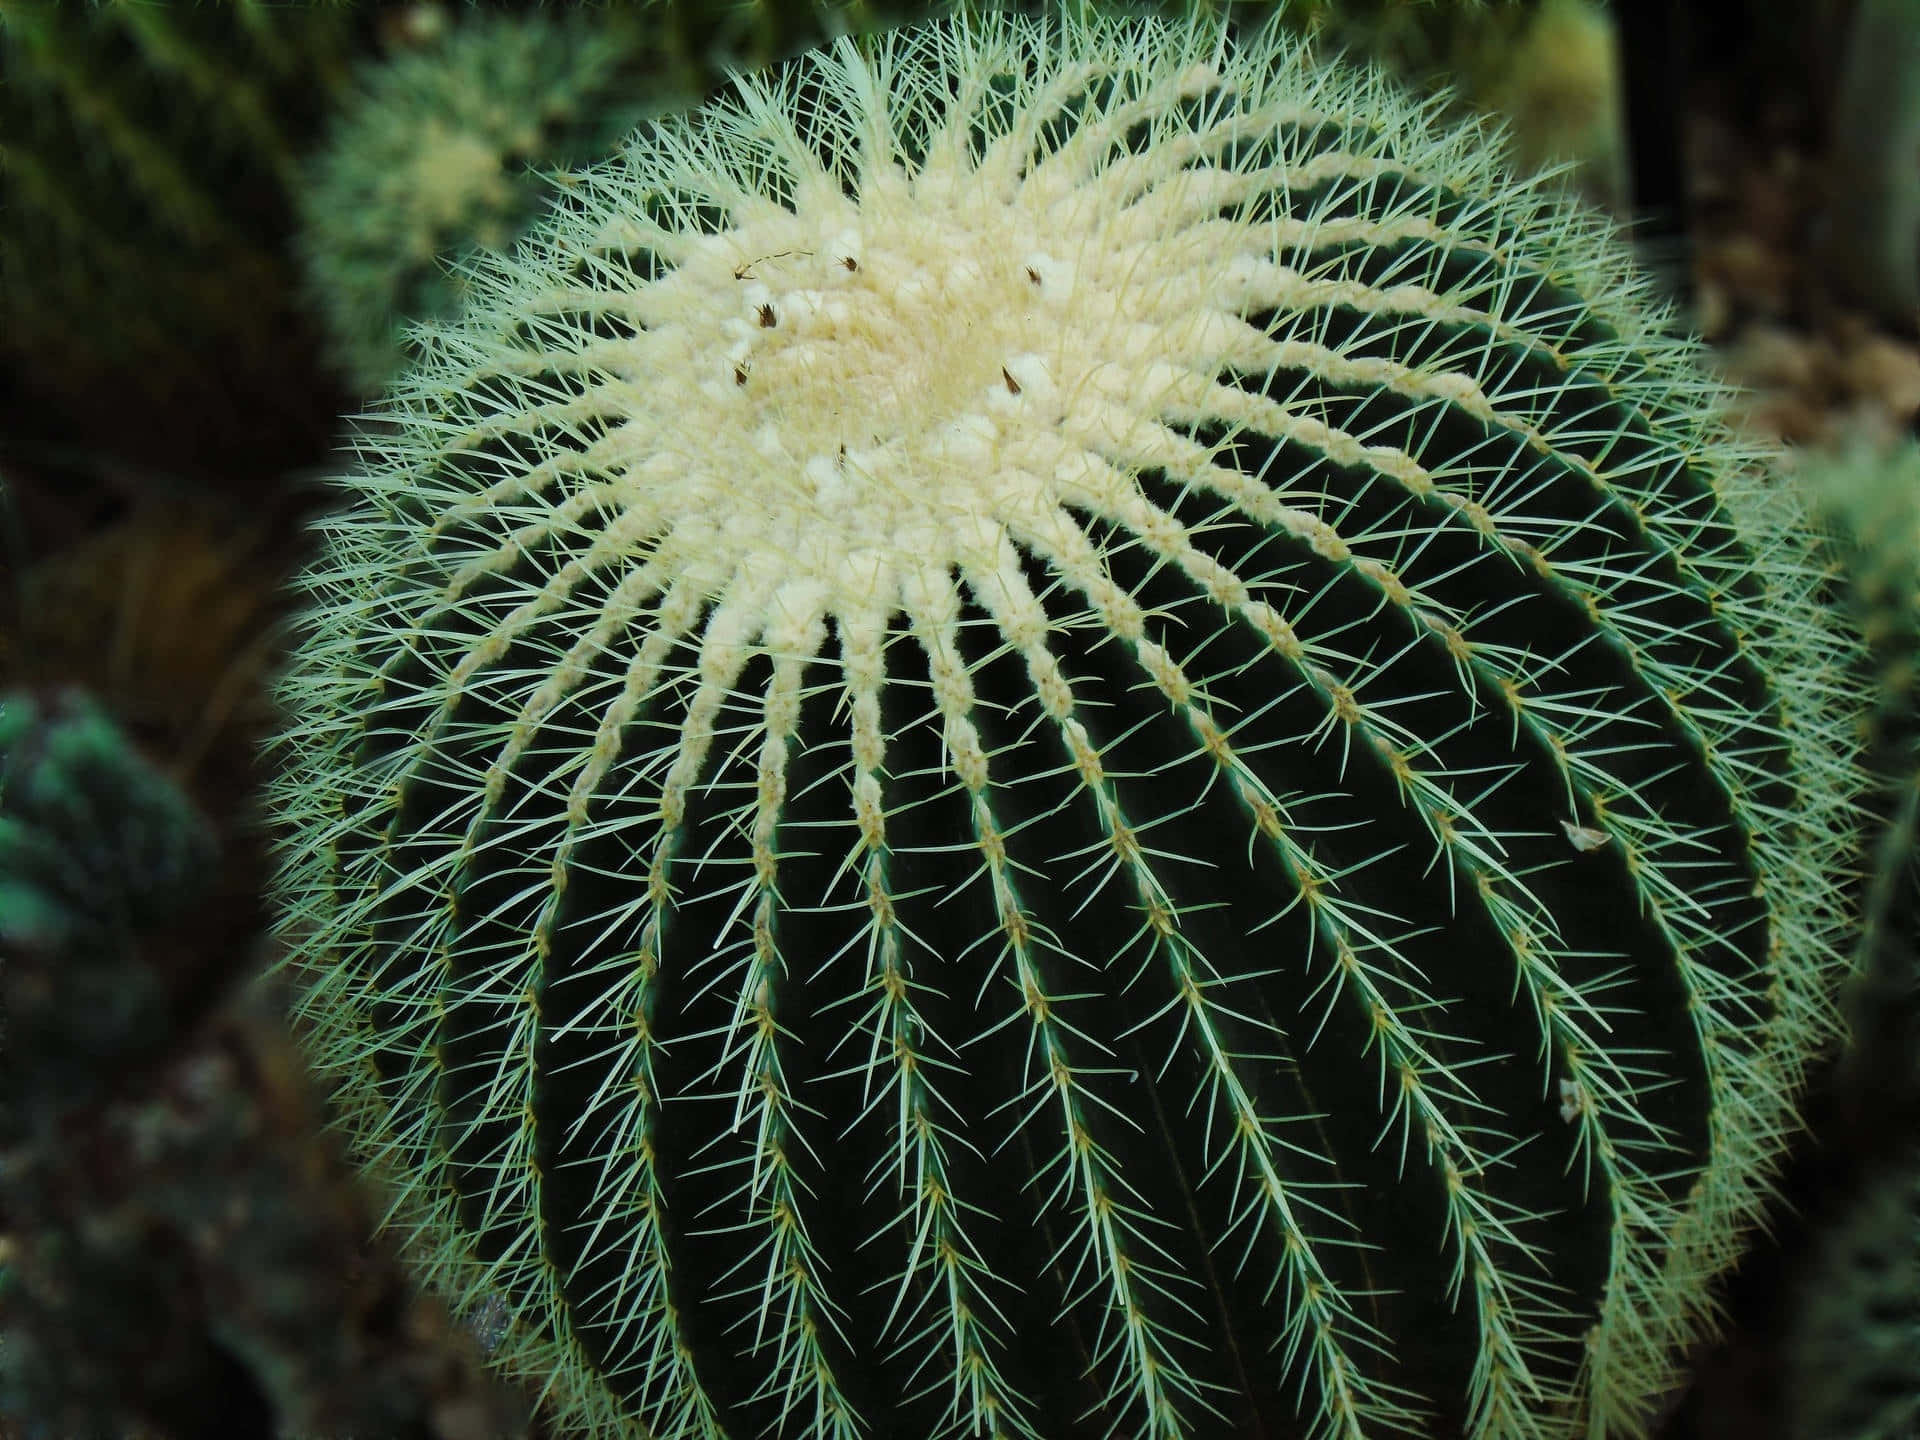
x=1058, y=727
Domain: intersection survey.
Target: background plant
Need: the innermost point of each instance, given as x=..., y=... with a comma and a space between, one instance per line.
x=440, y=149
x=149, y=150
x=1870, y=498
x=184, y=1251
x=1853, y=1342
x=1874, y=238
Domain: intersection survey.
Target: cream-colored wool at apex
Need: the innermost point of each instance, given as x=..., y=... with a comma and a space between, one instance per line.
x=1057, y=729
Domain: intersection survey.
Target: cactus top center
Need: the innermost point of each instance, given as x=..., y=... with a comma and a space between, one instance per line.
x=904, y=360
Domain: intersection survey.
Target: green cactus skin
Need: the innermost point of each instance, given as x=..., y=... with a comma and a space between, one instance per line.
x=438, y=151
x=1056, y=729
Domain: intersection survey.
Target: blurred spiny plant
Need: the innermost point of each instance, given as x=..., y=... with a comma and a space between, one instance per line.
x=1852, y=1350
x=149, y=150
x=1871, y=501
x=1058, y=728
x=436, y=152
x=1853, y=1346
x=184, y=1254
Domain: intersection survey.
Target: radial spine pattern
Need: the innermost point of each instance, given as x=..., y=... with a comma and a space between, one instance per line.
x=1054, y=729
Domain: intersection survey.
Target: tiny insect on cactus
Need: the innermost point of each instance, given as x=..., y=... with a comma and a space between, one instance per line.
x=1052, y=728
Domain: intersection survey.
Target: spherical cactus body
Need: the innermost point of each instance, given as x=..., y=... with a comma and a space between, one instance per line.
x=1052, y=729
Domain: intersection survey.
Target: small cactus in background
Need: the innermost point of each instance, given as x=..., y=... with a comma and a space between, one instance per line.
x=95, y=847
x=1853, y=1347
x=438, y=152
x=1056, y=729
x=149, y=151
x=183, y=1251
x=166, y=618
x=1871, y=500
